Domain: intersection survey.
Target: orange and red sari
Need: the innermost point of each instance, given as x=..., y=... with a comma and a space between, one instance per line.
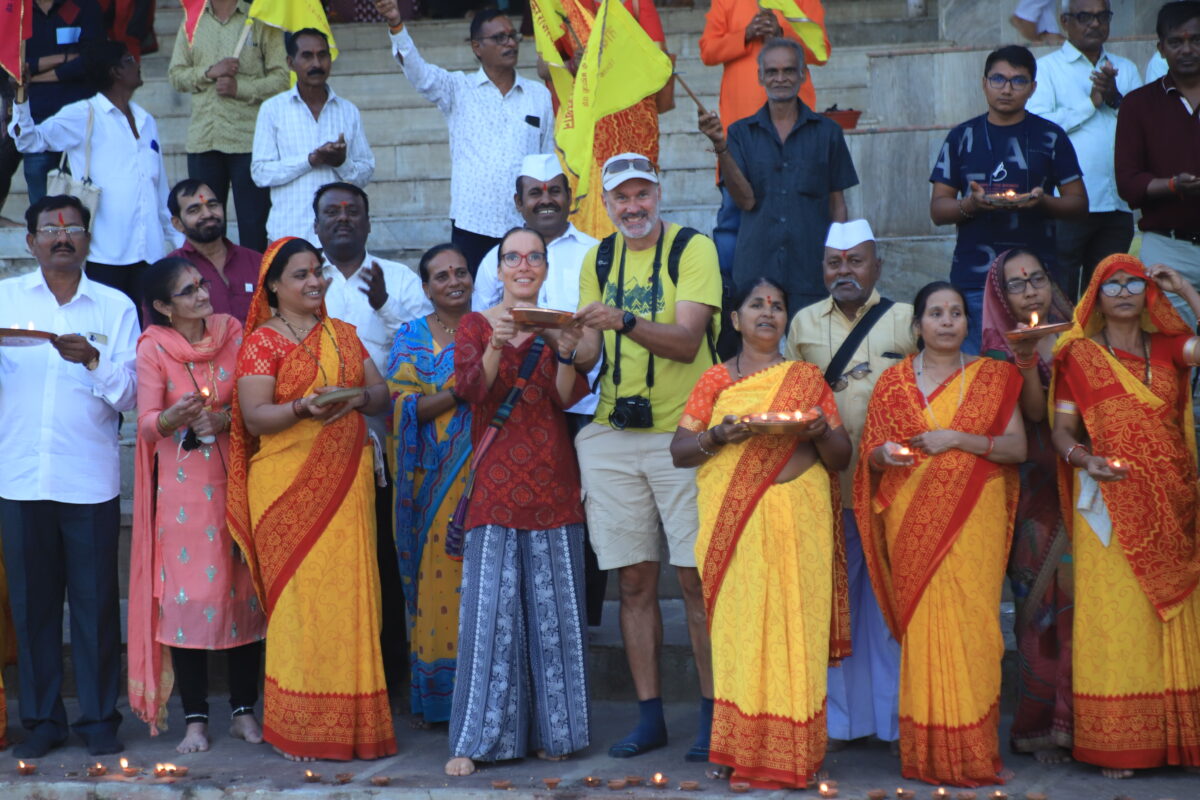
x=301, y=508
x=935, y=537
x=776, y=594
x=1137, y=612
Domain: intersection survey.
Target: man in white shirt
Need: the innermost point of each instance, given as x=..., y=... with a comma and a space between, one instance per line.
x=495, y=116
x=376, y=296
x=307, y=137
x=1080, y=87
x=60, y=513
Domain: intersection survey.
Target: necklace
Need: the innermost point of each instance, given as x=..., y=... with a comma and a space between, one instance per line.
x=439, y=322
x=313, y=356
x=737, y=363
x=1145, y=353
x=920, y=370
x=299, y=338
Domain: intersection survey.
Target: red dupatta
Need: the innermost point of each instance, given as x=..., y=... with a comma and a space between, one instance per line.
x=761, y=461
x=949, y=488
x=1154, y=509
x=281, y=538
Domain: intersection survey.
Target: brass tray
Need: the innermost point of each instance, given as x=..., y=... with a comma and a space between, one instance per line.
x=1037, y=332
x=780, y=422
x=1004, y=199
x=534, y=317
x=20, y=337
x=337, y=396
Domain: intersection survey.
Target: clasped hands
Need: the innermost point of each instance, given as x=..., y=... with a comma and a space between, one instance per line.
x=189, y=411
x=331, y=154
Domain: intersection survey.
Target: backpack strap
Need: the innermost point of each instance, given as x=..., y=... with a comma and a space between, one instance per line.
x=682, y=238
x=604, y=259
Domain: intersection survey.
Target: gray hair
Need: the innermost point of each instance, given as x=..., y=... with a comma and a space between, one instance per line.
x=776, y=43
x=1066, y=5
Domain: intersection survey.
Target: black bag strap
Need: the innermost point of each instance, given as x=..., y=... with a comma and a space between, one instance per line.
x=505, y=409
x=859, y=332
x=673, y=258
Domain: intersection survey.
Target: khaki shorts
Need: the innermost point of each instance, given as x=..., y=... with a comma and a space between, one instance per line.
x=632, y=491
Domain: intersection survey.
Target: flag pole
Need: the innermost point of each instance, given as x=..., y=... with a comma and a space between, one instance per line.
x=691, y=94
x=241, y=42
x=24, y=76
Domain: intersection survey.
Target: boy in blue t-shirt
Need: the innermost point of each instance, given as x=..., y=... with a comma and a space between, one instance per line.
x=983, y=160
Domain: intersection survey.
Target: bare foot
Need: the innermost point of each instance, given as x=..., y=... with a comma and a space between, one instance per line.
x=544, y=756
x=195, y=738
x=1052, y=755
x=245, y=726
x=419, y=724
x=1117, y=774
x=719, y=773
x=290, y=757
x=458, y=767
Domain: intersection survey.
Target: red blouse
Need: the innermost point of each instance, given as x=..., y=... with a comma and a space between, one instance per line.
x=265, y=348
x=529, y=479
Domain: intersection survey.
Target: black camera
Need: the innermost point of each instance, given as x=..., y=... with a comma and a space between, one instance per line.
x=631, y=412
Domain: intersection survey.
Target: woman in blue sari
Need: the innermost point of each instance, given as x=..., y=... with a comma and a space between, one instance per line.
x=433, y=446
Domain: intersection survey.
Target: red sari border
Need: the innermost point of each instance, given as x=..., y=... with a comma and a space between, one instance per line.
x=324, y=726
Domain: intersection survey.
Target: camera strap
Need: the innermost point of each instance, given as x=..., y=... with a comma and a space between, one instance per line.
x=654, y=293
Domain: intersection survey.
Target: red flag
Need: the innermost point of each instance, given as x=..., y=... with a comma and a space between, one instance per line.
x=192, y=9
x=16, y=25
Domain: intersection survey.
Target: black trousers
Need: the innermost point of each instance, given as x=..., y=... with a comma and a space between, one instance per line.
x=125, y=278
x=595, y=580
x=393, y=633
x=474, y=246
x=253, y=203
x=1085, y=243
x=191, y=676
x=10, y=159
x=55, y=552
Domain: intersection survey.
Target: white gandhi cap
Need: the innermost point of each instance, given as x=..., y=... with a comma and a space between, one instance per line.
x=542, y=167
x=844, y=235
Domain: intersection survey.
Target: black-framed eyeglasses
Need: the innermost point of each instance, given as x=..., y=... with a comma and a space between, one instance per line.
x=512, y=258
x=1135, y=286
x=857, y=372
x=499, y=39
x=1086, y=18
x=1038, y=280
x=628, y=165
x=53, y=231
x=191, y=289
x=1017, y=82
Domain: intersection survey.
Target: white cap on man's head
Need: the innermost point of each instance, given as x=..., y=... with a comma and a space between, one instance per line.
x=627, y=166
x=844, y=235
x=542, y=167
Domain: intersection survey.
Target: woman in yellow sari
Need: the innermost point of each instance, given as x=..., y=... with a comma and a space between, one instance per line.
x=1124, y=427
x=776, y=594
x=935, y=496
x=301, y=508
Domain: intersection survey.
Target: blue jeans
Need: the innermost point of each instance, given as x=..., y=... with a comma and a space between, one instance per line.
x=36, y=167
x=974, y=340
x=729, y=219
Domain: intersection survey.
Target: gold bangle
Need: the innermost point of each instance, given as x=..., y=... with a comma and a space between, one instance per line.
x=161, y=424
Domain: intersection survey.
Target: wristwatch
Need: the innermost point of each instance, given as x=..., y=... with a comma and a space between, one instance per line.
x=565, y=359
x=630, y=320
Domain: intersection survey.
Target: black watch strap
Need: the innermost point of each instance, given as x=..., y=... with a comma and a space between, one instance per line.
x=630, y=321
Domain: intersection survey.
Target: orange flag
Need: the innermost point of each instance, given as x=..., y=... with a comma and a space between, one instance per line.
x=16, y=25
x=192, y=9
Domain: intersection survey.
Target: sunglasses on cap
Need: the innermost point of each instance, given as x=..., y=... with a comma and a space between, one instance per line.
x=1113, y=288
x=628, y=165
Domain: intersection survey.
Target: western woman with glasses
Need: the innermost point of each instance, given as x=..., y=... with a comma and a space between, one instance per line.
x=1039, y=567
x=189, y=592
x=1123, y=425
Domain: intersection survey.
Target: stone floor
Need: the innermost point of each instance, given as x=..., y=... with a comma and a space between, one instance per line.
x=234, y=770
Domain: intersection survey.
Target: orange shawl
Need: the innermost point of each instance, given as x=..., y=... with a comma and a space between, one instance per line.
x=761, y=461
x=151, y=676
x=278, y=542
x=948, y=490
x=1154, y=509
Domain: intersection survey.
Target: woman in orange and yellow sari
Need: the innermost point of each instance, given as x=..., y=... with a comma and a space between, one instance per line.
x=769, y=724
x=1123, y=424
x=935, y=496
x=301, y=506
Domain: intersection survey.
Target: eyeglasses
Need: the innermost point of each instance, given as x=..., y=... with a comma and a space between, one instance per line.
x=1017, y=285
x=512, y=258
x=857, y=373
x=53, y=231
x=1086, y=18
x=1017, y=82
x=1135, y=286
x=188, y=291
x=500, y=39
x=629, y=165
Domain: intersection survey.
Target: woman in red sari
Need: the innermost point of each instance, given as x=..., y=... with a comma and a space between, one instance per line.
x=1124, y=427
x=935, y=495
x=301, y=506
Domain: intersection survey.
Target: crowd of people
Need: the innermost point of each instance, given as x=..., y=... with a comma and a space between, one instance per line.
x=430, y=473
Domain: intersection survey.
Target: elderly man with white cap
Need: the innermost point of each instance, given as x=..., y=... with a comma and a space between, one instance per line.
x=854, y=335
x=648, y=295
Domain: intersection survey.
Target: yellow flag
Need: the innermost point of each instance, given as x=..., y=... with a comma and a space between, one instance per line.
x=811, y=31
x=549, y=25
x=621, y=66
x=292, y=16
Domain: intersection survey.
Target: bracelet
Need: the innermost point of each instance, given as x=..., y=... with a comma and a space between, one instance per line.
x=161, y=424
x=722, y=151
x=991, y=446
x=1171, y=187
x=300, y=409
x=1030, y=364
x=700, y=444
x=494, y=346
x=565, y=359
x=396, y=28
x=1071, y=451
x=962, y=211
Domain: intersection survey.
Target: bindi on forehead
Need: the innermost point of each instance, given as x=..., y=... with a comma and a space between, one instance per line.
x=61, y=221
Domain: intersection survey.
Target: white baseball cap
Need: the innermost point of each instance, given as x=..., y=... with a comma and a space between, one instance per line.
x=627, y=166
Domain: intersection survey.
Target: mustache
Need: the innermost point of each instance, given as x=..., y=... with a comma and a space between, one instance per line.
x=846, y=282
x=66, y=247
x=316, y=71
x=551, y=206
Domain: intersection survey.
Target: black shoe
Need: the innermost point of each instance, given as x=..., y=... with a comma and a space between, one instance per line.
x=104, y=744
x=40, y=741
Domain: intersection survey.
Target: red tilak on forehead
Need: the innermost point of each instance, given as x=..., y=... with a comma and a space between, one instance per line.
x=61, y=221
x=770, y=299
x=344, y=203
x=202, y=197
x=845, y=253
